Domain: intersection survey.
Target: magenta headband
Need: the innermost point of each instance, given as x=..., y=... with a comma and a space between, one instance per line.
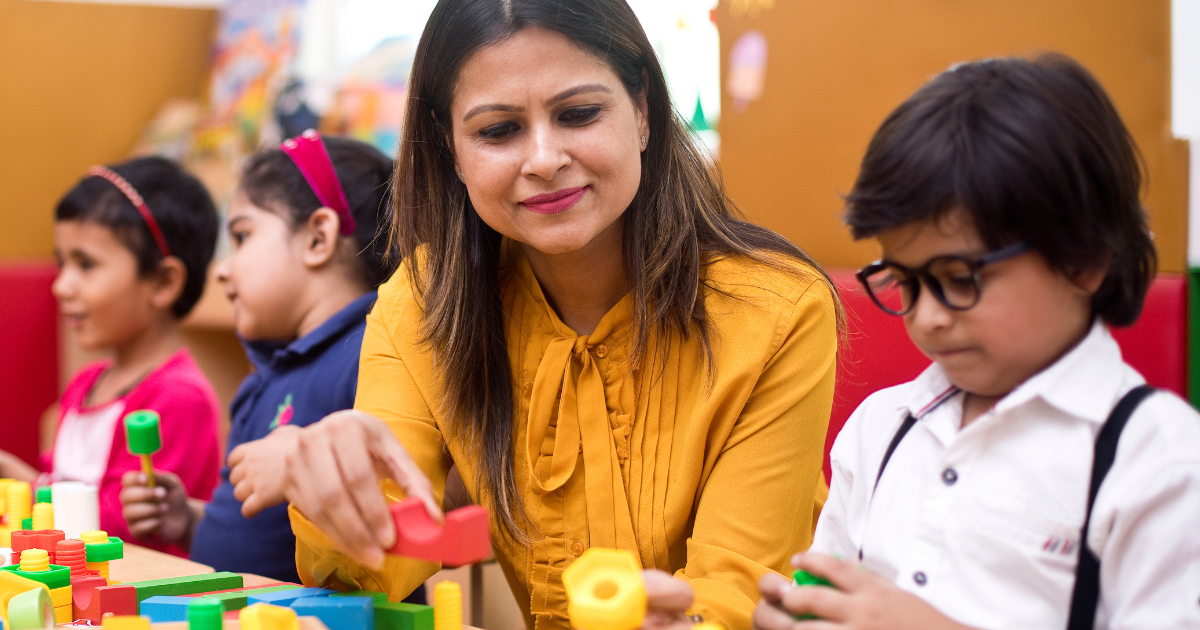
x=134, y=198
x=310, y=156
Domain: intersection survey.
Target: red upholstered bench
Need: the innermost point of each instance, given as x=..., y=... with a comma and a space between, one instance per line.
x=28, y=352
x=878, y=353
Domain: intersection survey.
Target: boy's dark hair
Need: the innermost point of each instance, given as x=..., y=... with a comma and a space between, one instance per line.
x=179, y=203
x=1033, y=151
x=272, y=181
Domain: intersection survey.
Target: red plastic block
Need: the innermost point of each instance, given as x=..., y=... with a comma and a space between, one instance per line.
x=92, y=599
x=464, y=539
x=38, y=539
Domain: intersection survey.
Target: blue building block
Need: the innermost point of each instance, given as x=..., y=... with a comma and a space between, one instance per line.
x=285, y=598
x=339, y=613
x=162, y=608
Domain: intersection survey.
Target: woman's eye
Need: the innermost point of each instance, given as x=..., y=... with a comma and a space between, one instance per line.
x=498, y=132
x=238, y=238
x=580, y=115
x=86, y=264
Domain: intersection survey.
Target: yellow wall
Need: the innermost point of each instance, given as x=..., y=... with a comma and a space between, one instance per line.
x=836, y=69
x=77, y=84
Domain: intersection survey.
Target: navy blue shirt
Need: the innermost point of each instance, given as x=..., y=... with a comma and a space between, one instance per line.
x=297, y=383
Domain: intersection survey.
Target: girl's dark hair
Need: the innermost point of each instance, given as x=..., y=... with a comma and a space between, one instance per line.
x=1033, y=151
x=179, y=203
x=679, y=221
x=272, y=181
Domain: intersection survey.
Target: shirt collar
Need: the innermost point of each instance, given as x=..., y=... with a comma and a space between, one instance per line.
x=264, y=353
x=1085, y=382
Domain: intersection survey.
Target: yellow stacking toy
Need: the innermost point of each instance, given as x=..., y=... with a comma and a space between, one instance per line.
x=268, y=617
x=35, y=560
x=143, y=438
x=43, y=516
x=605, y=590
x=447, y=606
x=125, y=622
x=19, y=499
x=96, y=537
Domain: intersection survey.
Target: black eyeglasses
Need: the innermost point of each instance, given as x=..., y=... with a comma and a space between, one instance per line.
x=953, y=280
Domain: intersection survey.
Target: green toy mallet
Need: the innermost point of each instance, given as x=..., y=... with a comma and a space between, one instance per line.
x=143, y=438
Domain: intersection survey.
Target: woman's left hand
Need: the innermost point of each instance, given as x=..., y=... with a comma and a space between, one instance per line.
x=667, y=600
x=861, y=600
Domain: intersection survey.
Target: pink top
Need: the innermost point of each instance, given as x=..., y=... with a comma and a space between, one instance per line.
x=90, y=443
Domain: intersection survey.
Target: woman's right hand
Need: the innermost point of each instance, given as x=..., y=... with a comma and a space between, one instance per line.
x=331, y=474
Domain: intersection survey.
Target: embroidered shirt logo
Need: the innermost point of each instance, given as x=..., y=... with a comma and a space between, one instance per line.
x=1060, y=546
x=284, y=413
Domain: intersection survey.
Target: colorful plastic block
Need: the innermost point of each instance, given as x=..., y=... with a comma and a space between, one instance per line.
x=447, y=606
x=53, y=577
x=205, y=614
x=605, y=590
x=375, y=595
x=339, y=613
x=31, y=610
x=92, y=602
x=12, y=585
x=286, y=597
x=403, y=616
x=125, y=622
x=463, y=540
x=804, y=578
x=64, y=614
x=143, y=438
x=162, y=608
x=268, y=617
x=73, y=555
x=61, y=596
x=187, y=584
x=236, y=598
x=46, y=539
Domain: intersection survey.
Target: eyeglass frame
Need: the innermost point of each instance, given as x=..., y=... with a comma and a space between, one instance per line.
x=921, y=276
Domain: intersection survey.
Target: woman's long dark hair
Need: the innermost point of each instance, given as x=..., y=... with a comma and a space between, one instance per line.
x=679, y=221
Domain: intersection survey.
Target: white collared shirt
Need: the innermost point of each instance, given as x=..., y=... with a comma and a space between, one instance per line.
x=984, y=522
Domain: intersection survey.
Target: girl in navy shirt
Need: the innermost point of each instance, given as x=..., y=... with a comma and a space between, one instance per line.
x=301, y=277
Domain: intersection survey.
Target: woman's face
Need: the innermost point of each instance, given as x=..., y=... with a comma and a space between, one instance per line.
x=547, y=141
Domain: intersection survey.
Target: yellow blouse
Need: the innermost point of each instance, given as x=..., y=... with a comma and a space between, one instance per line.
x=714, y=478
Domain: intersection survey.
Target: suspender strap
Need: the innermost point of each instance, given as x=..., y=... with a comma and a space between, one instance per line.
x=1086, y=595
x=908, y=423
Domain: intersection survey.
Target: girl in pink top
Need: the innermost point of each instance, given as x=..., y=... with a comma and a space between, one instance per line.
x=133, y=243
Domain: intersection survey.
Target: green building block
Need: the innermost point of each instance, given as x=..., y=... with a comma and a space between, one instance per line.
x=43, y=495
x=376, y=595
x=187, y=585
x=114, y=549
x=56, y=577
x=236, y=600
x=402, y=616
x=804, y=578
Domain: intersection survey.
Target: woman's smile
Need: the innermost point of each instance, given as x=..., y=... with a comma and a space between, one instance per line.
x=555, y=202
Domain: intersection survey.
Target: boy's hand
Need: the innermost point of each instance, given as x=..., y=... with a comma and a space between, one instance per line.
x=257, y=469
x=861, y=601
x=159, y=514
x=667, y=599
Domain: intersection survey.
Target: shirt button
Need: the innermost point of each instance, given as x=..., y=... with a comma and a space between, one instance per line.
x=601, y=351
x=577, y=549
x=949, y=476
x=919, y=578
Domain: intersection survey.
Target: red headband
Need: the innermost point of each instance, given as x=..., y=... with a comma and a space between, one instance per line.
x=132, y=195
x=310, y=156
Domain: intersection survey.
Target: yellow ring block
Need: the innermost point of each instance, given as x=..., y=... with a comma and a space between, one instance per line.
x=605, y=590
x=268, y=617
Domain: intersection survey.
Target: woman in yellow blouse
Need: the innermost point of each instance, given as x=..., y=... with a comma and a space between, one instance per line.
x=580, y=326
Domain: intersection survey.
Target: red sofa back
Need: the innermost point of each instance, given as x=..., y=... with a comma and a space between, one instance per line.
x=28, y=353
x=878, y=353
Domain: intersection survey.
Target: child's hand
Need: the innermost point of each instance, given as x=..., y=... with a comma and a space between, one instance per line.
x=667, y=599
x=13, y=467
x=862, y=601
x=331, y=472
x=159, y=514
x=257, y=469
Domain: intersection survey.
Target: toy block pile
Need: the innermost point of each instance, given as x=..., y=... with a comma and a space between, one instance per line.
x=49, y=575
x=204, y=603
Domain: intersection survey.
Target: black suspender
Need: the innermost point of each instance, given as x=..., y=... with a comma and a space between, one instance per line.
x=1086, y=595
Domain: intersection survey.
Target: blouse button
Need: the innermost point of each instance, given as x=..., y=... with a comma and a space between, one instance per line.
x=577, y=549
x=601, y=351
x=919, y=578
x=949, y=476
